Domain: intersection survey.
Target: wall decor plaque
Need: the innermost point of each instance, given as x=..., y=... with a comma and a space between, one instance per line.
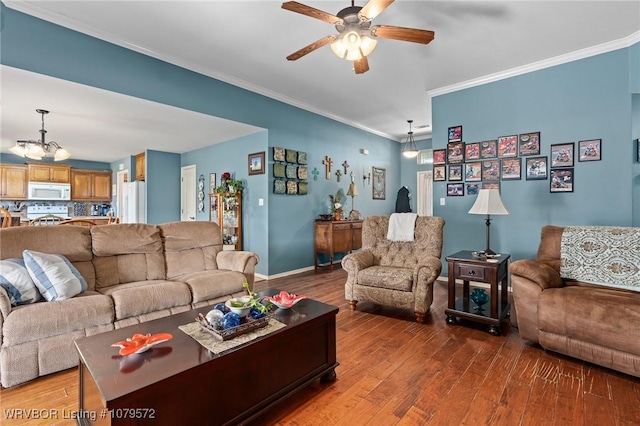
x=379, y=183
x=291, y=156
x=279, y=186
x=302, y=157
x=292, y=187
x=291, y=171
x=279, y=170
x=278, y=154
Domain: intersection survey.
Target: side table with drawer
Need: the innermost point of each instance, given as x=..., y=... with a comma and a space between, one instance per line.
x=466, y=266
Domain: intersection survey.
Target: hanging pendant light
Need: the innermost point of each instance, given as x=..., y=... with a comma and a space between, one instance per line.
x=410, y=150
x=36, y=150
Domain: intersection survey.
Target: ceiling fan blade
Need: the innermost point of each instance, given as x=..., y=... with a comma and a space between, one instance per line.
x=373, y=9
x=403, y=34
x=303, y=9
x=313, y=46
x=361, y=65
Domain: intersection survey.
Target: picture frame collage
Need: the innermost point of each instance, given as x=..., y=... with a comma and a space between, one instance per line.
x=290, y=172
x=468, y=167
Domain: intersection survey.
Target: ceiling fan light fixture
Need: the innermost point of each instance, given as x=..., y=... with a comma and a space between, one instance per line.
x=350, y=51
x=410, y=149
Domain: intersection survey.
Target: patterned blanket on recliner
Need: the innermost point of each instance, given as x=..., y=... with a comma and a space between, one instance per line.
x=603, y=255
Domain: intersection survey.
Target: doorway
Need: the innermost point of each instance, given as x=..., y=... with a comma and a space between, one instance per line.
x=188, y=193
x=425, y=193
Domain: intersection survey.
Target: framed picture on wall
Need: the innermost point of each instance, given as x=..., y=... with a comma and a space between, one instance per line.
x=473, y=171
x=455, y=190
x=562, y=155
x=256, y=163
x=472, y=151
x=455, y=152
x=511, y=169
x=638, y=150
x=212, y=182
x=491, y=185
x=439, y=173
x=507, y=146
x=379, y=183
x=455, y=172
x=472, y=188
x=529, y=144
x=561, y=180
x=590, y=150
x=489, y=149
x=491, y=170
x=439, y=156
x=536, y=168
x=455, y=134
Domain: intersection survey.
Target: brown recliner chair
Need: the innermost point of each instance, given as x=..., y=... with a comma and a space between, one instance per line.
x=395, y=273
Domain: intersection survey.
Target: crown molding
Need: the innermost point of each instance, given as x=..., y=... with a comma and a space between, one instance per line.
x=536, y=66
x=67, y=22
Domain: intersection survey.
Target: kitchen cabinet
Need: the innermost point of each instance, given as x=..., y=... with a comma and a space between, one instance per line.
x=140, y=166
x=226, y=211
x=51, y=173
x=90, y=185
x=13, y=182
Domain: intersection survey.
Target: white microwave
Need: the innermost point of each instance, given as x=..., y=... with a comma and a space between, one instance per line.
x=49, y=191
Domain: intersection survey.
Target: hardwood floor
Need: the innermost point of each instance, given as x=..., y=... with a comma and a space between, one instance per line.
x=394, y=371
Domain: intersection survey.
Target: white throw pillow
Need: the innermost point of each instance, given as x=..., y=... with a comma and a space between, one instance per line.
x=53, y=274
x=15, y=279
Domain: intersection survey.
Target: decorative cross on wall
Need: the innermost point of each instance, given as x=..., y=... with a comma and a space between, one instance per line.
x=315, y=173
x=327, y=165
x=338, y=174
x=346, y=166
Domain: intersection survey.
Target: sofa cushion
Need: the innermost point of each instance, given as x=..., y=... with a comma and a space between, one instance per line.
x=190, y=247
x=53, y=274
x=389, y=277
x=17, y=282
x=73, y=242
x=605, y=317
x=142, y=297
x=126, y=253
x=45, y=319
x=209, y=285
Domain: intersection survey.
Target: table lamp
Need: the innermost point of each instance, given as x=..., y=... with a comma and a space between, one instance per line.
x=352, y=192
x=488, y=203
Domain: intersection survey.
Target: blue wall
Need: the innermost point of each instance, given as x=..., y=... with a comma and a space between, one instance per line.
x=585, y=99
x=35, y=45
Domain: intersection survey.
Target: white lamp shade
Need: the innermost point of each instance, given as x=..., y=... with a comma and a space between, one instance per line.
x=488, y=203
x=410, y=153
x=18, y=150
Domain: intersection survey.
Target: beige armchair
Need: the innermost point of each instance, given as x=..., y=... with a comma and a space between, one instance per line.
x=397, y=274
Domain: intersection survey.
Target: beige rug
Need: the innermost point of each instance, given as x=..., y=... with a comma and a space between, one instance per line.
x=216, y=346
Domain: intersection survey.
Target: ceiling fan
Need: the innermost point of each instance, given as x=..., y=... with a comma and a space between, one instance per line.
x=356, y=37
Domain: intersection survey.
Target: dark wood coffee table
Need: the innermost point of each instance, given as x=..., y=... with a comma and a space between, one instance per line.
x=181, y=382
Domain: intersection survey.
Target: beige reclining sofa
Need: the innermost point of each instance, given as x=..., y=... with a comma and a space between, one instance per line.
x=134, y=273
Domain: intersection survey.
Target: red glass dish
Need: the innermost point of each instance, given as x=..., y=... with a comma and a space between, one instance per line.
x=140, y=343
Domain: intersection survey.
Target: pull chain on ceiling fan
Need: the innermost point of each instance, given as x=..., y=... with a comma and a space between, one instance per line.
x=356, y=38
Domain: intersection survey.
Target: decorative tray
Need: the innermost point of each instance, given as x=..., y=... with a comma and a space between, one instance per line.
x=229, y=333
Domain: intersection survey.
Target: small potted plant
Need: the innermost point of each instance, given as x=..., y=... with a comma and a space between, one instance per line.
x=336, y=204
x=229, y=185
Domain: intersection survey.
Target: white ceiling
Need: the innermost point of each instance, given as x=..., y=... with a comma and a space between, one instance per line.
x=246, y=42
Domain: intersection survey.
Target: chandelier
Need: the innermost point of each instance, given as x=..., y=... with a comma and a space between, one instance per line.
x=36, y=150
x=410, y=150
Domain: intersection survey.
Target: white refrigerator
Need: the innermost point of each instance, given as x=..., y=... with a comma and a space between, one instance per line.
x=134, y=207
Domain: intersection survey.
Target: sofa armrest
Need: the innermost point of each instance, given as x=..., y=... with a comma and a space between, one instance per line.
x=240, y=261
x=540, y=273
x=355, y=262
